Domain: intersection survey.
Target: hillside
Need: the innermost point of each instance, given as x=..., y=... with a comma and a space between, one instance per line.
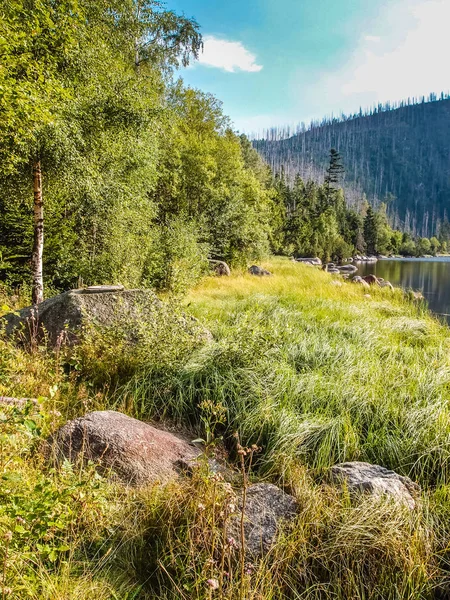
x=400, y=156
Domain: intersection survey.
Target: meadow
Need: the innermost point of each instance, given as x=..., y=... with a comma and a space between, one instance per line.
x=313, y=371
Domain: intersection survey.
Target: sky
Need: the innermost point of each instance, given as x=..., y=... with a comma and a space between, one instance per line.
x=280, y=62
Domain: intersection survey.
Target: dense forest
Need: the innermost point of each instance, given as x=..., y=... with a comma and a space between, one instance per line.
x=396, y=154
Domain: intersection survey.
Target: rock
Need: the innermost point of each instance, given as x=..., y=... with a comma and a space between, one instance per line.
x=378, y=481
x=255, y=270
x=220, y=268
x=312, y=261
x=61, y=319
x=371, y=280
x=135, y=452
x=18, y=402
x=347, y=269
x=387, y=284
x=361, y=281
x=367, y=296
x=266, y=508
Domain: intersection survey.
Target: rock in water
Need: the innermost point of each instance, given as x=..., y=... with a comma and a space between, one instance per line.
x=220, y=268
x=62, y=317
x=375, y=480
x=135, y=452
x=266, y=508
x=255, y=270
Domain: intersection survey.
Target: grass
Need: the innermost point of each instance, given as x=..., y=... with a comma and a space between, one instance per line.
x=313, y=373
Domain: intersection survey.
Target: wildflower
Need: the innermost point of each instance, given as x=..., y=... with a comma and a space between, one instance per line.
x=213, y=584
x=8, y=536
x=20, y=520
x=201, y=507
x=6, y=591
x=232, y=542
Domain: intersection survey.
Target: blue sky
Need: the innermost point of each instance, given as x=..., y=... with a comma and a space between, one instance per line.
x=276, y=62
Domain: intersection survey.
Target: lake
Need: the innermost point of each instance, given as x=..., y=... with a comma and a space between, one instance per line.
x=429, y=275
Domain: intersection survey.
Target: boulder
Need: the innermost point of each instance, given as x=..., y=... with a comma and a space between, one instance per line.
x=255, y=270
x=387, y=284
x=62, y=318
x=220, y=268
x=371, y=280
x=361, y=281
x=361, y=477
x=266, y=508
x=132, y=451
x=347, y=268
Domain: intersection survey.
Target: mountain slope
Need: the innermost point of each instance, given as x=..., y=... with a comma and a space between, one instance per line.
x=400, y=155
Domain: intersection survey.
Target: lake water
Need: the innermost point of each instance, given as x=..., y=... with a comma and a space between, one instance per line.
x=431, y=276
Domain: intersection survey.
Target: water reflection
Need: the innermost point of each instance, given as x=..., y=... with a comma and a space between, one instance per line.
x=429, y=275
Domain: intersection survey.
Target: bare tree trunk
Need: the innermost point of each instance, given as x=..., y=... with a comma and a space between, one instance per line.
x=37, y=293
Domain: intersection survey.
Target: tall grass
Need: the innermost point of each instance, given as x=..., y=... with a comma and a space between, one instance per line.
x=312, y=373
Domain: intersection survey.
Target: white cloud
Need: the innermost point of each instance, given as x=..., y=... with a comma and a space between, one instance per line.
x=229, y=56
x=409, y=59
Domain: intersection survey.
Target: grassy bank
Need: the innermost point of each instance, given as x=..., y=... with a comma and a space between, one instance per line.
x=312, y=372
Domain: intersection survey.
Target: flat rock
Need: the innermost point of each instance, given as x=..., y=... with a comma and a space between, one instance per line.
x=128, y=449
x=18, y=402
x=361, y=477
x=266, y=508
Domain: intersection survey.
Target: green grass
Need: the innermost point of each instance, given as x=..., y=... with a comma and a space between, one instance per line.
x=315, y=373
x=311, y=372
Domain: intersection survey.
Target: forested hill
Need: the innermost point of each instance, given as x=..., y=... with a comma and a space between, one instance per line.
x=399, y=156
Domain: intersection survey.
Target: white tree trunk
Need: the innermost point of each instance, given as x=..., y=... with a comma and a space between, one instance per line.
x=37, y=291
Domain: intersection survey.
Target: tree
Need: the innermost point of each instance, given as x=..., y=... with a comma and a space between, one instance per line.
x=37, y=40
x=435, y=245
x=371, y=231
x=334, y=176
x=54, y=94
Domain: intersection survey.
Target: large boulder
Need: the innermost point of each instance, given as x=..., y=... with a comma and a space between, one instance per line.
x=361, y=477
x=132, y=451
x=266, y=508
x=62, y=318
x=255, y=270
x=220, y=268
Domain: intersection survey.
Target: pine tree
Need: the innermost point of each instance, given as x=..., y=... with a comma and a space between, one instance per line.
x=371, y=227
x=334, y=176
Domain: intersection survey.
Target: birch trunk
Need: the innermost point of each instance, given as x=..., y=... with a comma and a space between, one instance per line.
x=37, y=292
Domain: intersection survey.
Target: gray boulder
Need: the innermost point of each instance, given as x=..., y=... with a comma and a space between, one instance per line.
x=361, y=477
x=62, y=318
x=347, y=269
x=132, y=451
x=255, y=270
x=220, y=268
x=266, y=508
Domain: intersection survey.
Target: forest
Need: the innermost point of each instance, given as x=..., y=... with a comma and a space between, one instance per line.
x=112, y=170
x=395, y=154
